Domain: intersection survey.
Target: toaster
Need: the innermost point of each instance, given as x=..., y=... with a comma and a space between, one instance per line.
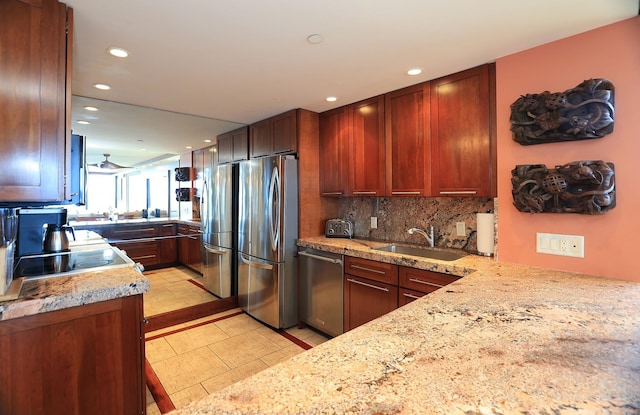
x=338, y=228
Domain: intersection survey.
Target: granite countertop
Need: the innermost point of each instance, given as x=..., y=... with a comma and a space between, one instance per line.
x=505, y=339
x=57, y=292
x=106, y=222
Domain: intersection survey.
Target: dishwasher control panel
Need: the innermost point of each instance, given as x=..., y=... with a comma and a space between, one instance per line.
x=338, y=228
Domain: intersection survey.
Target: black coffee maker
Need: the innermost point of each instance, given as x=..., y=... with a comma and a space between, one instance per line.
x=32, y=225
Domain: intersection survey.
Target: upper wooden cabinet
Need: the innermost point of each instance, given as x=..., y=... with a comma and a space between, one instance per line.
x=275, y=135
x=233, y=146
x=35, y=111
x=463, y=133
x=352, y=149
x=408, y=135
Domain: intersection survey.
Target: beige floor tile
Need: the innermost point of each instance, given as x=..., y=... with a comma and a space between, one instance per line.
x=189, y=369
x=243, y=348
x=238, y=325
x=315, y=338
x=183, y=397
x=241, y=372
x=152, y=409
x=195, y=338
x=158, y=349
x=281, y=355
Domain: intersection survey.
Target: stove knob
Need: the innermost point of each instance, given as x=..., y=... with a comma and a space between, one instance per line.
x=139, y=266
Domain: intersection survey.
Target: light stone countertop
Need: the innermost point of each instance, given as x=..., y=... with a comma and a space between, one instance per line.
x=59, y=292
x=506, y=339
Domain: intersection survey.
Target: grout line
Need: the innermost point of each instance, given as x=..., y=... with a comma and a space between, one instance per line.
x=193, y=326
x=160, y=395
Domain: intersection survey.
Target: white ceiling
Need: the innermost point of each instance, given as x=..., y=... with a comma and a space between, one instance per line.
x=245, y=60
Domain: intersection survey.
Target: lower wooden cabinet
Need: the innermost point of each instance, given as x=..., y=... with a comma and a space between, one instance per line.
x=370, y=290
x=81, y=360
x=189, y=246
x=415, y=283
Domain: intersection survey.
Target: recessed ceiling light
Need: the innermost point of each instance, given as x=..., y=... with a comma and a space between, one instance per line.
x=414, y=71
x=331, y=99
x=207, y=140
x=188, y=147
x=83, y=122
x=103, y=87
x=118, y=52
x=315, y=38
x=91, y=108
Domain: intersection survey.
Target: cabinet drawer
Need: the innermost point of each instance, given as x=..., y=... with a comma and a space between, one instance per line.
x=423, y=280
x=366, y=300
x=145, y=252
x=373, y=270
x=405, y=296
x=168, y=229
x=132, y=232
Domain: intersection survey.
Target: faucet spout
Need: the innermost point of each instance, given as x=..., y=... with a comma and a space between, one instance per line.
x=429, y=236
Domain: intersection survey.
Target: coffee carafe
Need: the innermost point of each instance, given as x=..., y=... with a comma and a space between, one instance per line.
x=56, y=239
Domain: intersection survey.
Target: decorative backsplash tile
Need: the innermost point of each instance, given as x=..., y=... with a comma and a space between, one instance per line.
x=397, y=214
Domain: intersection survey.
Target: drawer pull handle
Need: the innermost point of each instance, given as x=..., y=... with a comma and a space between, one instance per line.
x=425, y=283
x=331, y=193
x=135, y=230
x=459, y=192
x=415, y=297
x=364, y=193
x=376, y=271
x=368, y=285
x=405, y=193
x=320, y=257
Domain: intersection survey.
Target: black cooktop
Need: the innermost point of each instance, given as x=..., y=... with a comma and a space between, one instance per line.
x=69, y=262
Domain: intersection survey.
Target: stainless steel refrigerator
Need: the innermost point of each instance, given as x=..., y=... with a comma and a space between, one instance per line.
x=267, y=233
x=218, y=224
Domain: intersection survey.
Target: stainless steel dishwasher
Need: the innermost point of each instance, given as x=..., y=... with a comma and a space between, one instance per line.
x=321, y=290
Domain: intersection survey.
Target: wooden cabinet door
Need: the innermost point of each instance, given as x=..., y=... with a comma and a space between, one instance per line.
x=80, y=360
x=367, y=156
x=260, y=139
x=334, y=152
x=34, y=124
x=463, y=133
x=142, y=251
x=405, y=296
x=408, y=136
x=285, y=132
x=233, y=146
x=365, y=300
x=167, y=244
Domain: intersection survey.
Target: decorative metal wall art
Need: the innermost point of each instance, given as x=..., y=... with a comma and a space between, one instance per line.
x=586, y=187
x=586, y=111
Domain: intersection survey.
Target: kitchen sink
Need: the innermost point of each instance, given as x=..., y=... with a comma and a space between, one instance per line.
x=421, y=252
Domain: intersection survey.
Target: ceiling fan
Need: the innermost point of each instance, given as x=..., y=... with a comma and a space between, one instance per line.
x=106, y=164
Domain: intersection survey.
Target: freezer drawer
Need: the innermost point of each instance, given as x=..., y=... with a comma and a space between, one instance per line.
x=216, y=270
x=321, y=290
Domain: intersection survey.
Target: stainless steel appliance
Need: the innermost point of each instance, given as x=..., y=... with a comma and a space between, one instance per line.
x=217, y=209
x=8, y=232
x=267, y=233
x=56, y=238
x=338, y=228
x=321, y=290
x=32, y=225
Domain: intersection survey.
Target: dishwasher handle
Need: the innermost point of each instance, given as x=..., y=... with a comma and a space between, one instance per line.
x=320, y=257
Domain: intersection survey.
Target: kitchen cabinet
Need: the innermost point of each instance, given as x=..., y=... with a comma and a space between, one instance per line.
x=189, y=246
x=408, y=141
x=463, y=133
x=275, y=135
x=233, y=146
x=35, y=110
x=415, y=283
x=81, y=360
x=370, y=290
x=167, y=244
x=352, y=149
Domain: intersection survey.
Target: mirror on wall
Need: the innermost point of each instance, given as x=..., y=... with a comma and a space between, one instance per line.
x=145, y=144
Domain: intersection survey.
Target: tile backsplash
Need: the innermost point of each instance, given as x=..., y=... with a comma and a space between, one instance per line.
x=397, y=214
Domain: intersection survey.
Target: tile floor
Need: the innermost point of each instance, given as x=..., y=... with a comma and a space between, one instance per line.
x=199, y=357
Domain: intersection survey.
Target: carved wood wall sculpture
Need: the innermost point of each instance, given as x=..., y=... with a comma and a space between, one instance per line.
x=584, y=112
x=586, y=187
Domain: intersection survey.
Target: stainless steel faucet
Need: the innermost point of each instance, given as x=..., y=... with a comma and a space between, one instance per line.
x=429, y=236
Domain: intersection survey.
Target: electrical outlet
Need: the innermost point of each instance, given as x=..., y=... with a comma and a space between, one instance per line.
x=374, y=222
x=566, y=245
x=461, y=229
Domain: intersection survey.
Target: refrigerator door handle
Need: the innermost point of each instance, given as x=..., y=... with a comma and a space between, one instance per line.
x=216, y=251
x=275, y=200
x=256, y=264
x=204, y=207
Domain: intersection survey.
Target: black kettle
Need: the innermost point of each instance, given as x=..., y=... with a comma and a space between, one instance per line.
x=56, y=239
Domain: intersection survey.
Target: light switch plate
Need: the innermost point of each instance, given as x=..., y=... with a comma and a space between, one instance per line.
x=374, y=222
x=565, y=245
x=461, y=229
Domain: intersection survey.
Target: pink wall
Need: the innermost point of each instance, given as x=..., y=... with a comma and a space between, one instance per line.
x=611, y=240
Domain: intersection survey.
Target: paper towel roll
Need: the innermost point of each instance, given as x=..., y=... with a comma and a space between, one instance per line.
x=486, y=229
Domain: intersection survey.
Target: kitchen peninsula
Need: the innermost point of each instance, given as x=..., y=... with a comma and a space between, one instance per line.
x=504, y=339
